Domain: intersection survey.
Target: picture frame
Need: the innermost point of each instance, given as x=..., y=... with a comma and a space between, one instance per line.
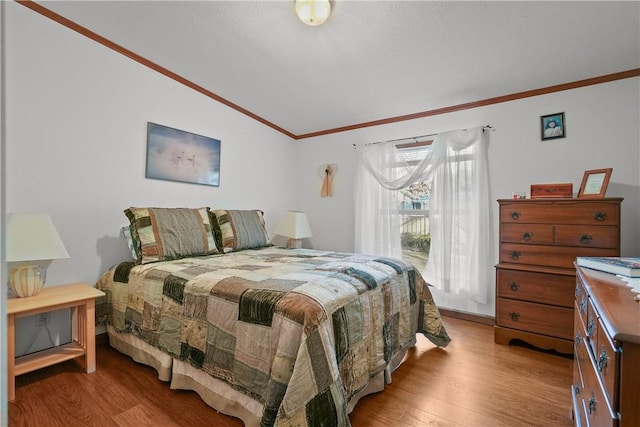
x=553, y=126
x=594, y=183
x=177, y=155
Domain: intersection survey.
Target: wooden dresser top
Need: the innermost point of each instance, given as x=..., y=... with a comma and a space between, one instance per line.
x=616, y=303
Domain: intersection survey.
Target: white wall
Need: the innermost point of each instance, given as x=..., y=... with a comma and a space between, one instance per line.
x=76, y=143
x=602, y=124
x=76, y=118
x=76, y=115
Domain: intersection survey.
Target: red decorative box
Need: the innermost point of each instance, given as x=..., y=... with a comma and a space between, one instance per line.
x=542, y=191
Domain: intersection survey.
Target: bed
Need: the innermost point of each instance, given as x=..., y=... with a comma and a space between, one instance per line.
x=270, y=335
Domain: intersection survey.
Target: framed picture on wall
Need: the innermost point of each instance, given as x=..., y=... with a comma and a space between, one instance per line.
x=553, y=126
x=177, y=155
x=594, y=183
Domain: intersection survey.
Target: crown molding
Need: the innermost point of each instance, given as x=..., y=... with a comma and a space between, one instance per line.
x=444, y=110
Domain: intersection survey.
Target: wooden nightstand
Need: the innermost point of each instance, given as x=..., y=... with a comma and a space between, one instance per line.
x=80, y=298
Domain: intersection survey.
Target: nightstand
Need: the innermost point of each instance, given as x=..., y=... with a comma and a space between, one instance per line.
x=80, y=298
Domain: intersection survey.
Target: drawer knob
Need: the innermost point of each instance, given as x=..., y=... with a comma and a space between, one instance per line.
x=515, y=255
x=592, y=403
x=600, y=216
x=514, y=286
x=583, y=305
x=515, y=215
x=578, y=291
x=514, y=316
x=603, y=360
x=585, y=239
x=576, y=389
x=527, y=235
x=578, y=338
x=591, y=327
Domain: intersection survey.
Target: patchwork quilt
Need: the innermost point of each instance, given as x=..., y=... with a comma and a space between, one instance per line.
x=301, y=331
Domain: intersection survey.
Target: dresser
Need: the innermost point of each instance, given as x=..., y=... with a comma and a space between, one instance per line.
x=535, y=277
x=606, y=367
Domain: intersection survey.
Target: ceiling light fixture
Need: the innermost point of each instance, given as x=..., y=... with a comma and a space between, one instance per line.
x=313, y=12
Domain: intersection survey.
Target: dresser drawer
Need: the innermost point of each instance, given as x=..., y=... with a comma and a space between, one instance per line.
x=581, y=306
x=533, y=234
x=566, y=212
x=607, y=363
x=599, y=407
x=551, y=256
x=554, y=289
x=587, y=236
x=537, y=318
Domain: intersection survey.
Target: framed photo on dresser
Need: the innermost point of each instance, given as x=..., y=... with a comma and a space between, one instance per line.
x=594, y=183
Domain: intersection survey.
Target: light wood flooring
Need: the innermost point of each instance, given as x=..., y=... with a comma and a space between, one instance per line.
x=473, y=382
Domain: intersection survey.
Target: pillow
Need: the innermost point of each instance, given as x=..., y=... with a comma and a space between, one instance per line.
x=161, y=234
x=126, y=232
x=236, y=230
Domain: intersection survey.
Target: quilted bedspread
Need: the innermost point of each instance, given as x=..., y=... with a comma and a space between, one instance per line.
x=301, y=331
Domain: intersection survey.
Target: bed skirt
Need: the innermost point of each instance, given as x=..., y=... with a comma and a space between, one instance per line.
x=215, y=393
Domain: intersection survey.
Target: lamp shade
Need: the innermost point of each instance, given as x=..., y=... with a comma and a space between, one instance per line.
x=33, y=237
x=294, y=225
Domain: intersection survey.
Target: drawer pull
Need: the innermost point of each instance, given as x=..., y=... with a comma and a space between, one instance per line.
x=603, y=360
x=514, y=316
x=578, y=291
x=515, y=255
x=576, y=389
x=578, y=338
x=591, y=328
x=585, y=239
x=600, y=216
x=514, y=286
x=527, y=235
x=515, y=215
x=583, y=305
x=592, y=403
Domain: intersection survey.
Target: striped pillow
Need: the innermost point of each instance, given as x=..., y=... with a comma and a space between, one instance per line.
x=169, y=233
x=236, y=230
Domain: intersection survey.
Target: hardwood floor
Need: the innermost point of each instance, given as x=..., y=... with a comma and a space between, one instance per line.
x=473, y=382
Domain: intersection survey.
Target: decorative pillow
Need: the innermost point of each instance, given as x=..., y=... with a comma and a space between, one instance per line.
x=169, y=233
x=236, y=230
x=126, y=233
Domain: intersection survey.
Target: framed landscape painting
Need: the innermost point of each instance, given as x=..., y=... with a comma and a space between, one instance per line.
x=177, y=155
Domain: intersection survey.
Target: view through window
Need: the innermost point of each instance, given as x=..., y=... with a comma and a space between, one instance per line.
x=413, y=206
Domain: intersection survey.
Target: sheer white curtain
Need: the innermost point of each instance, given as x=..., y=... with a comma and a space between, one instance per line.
x=459, y=258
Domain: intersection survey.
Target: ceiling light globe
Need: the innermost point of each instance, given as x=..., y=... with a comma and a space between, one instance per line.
x=313, y=12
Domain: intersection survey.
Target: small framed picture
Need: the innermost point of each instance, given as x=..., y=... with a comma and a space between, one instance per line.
x=553, y=126
x=594, y=183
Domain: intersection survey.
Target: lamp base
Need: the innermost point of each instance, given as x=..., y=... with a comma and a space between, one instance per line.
x=294, y=243
x=26, y=280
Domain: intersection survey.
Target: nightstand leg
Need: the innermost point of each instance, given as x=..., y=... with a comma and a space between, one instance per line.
x=11, y=357
x=90, y=334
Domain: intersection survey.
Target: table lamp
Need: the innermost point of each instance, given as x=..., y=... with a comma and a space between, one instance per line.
x=295, y=226
x=31, y=237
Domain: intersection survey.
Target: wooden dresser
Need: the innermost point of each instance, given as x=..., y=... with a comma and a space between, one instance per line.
x=606, y=373
x=535, y=277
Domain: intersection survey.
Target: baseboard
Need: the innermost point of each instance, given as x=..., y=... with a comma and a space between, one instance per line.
x=472, y=317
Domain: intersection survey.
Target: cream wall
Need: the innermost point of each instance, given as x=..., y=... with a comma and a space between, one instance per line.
x=603, y=123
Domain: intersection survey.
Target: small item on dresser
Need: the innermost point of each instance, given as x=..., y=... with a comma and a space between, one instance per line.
x=624, y=266
x=541, y=191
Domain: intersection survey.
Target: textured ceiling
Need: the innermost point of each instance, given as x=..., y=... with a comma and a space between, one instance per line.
x=371, y=60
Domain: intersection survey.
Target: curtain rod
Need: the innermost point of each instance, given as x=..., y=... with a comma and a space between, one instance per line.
x=417, y=139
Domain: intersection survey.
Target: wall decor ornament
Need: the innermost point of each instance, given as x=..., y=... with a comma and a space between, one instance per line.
x=327, y=172
x=553, y=126
x=177, y=155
